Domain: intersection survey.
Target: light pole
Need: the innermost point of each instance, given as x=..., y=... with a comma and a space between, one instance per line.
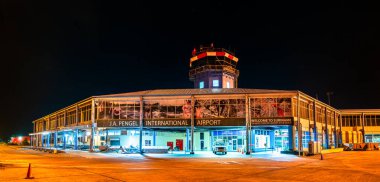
x=328, y=96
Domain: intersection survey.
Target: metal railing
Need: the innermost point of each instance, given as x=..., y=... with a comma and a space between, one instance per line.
x=228, y=69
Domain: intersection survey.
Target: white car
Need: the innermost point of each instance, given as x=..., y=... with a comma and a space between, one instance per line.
x=219, y=147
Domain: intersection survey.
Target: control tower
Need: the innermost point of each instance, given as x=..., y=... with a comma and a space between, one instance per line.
x=212, y=67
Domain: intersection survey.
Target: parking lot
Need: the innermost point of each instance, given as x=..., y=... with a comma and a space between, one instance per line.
x=181, y=166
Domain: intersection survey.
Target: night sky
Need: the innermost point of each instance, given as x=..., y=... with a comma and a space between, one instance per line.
x=54, y=53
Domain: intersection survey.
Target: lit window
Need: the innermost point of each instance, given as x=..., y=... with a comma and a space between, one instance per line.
x=202, y=84
x=215, y=83
x=228, y=84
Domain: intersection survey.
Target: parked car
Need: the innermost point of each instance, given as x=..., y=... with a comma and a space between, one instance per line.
x=219, y=147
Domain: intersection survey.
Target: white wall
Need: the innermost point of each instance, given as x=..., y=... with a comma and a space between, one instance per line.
x=161, y=139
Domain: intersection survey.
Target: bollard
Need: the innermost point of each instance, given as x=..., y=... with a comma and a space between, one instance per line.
x=321, y=156
x=28, y=175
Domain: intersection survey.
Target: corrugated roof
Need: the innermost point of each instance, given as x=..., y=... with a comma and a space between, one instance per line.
x=183, y=92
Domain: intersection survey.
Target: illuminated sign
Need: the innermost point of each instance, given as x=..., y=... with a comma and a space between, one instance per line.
x=272, y=121
x=117, y=123
x=197, y=122
x=220, y=122
x=204, y=122
x=167, y=122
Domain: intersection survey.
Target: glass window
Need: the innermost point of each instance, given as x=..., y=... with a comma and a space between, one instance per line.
x=148, y=142
x=219, y=108
x=228, y=84
x=215, y=83
x=368, y=121
x=270, y=107
x=201, y=84
x=378, y=120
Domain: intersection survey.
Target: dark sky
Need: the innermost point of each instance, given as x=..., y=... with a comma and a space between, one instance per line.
x=54, y=53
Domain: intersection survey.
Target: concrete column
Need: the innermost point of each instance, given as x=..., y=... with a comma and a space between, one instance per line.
x=187, y=139
x=335, y=134
x=55, y=139
x=309, y=116
x=292, y=145
x=43, y=140
x=93, y=125
x=247, y=125
x=315, y=130
x=141, y=124
x=341, y=132
x=363, y=132
x=38, y=140
x=271, y=137
x=299, y=124
x=154, y=138
x=192, y=125
x=76, y=139
x=64, y=140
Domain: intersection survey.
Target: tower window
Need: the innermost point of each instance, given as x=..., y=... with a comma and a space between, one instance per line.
x=215, y=83
x=228, y=84
x=202, y=84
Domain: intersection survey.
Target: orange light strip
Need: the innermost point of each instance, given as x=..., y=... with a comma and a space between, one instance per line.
x=202, y=55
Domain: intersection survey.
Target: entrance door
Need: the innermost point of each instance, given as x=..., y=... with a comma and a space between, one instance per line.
x=170, y=144
x=202, y=145
x=179, y=144
x=281, y=140
x=234, y=144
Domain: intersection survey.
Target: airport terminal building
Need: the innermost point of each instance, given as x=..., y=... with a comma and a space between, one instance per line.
x=246, y=120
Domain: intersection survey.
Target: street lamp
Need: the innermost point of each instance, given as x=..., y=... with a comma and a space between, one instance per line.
x=328, y=96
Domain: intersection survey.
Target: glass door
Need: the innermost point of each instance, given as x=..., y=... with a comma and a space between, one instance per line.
x=281, y=142
x=234, y=144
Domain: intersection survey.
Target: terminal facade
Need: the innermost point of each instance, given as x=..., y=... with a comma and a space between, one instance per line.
x=246, y=120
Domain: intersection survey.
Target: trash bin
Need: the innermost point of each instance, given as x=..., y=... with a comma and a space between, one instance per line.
x=310, y=147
